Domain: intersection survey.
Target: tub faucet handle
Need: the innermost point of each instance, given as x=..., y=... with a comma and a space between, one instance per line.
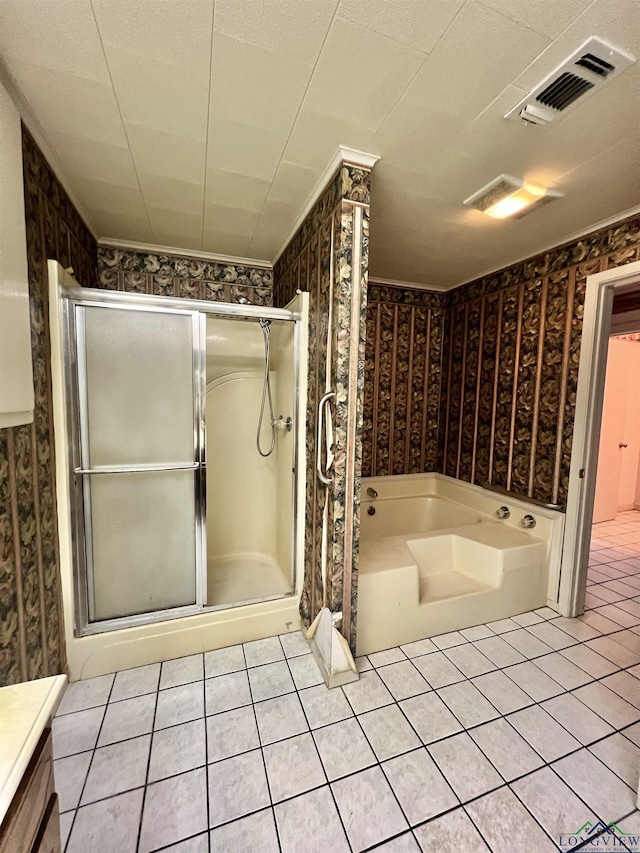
x=528, y=521
x=503, y=512
x=372, y=492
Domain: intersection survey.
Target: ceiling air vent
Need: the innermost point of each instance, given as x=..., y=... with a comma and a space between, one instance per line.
x=590, y=67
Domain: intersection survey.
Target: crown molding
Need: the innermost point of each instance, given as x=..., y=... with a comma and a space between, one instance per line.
x=411, y=285
x=152, y=249
x=343, y=154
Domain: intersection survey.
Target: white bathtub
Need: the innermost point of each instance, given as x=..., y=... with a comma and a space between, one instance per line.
x=435, y=557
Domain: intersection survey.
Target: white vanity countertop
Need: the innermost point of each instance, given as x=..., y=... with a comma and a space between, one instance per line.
x=25, y=710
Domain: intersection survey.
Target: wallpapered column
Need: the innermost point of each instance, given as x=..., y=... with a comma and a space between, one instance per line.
x=183, y=276
x=329, y=258
x=31, y=631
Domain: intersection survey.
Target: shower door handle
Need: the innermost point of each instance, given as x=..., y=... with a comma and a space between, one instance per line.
x=136, y=469
x=321, y=406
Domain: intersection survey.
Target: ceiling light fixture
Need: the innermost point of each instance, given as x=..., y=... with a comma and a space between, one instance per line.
x=508, y=196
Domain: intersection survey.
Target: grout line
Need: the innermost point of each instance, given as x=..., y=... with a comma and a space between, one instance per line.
x=146, y=778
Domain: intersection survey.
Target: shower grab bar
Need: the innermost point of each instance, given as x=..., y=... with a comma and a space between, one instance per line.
x=136, y=469
x=321, y=405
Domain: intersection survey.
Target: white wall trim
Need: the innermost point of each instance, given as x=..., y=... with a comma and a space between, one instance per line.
x=414, y=285
x=584, y=232
x=586, y=431
x=353, y=157
x=152, y=249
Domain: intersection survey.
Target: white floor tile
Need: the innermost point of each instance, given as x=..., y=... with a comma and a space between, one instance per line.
x=420, y=647
x=421, y=789
x=403, y=680
x=576, y=628
x=552, y=636
x=497, y=650
x=237, y=786
x=528, y=645
x=182, y=671
x=226, y=692
x=577, y=718
x=608, y=704
x=506, y=750
x=280, y=718
x=430, y=717
x=369, y=811
x=507, y=825
x=553, y=804
x=533, y=681
x=294, y=644
x=503, y=693
x=545, y=735
x=256, y=832
x=594, y=783
x=343, y=748
x=117, y=768
x=438, y=669
x=388, y=732
x=179, y=704
x=127, y=719
x=259, y=652
x=110, y=826
x=293, y=767
x=135, y=682
x=469, y=660
x=613, y=651
x=231, y=733
x=177, y=749
x=625, y=685
x=562, y=671
x=70, y=774
x=323, y=706
x=621, y=756
x=464, y=766
x=270, y=680
x=311, y=816
x=452, y=833
x=467, y=704
x=386, y=657
x=368, y=693
x=223, y=661
x=174, y=809
x=81, y=695
x=404, y=843
x=77, y=732
x=305, y=671
x=446, y=641
x=588, y=660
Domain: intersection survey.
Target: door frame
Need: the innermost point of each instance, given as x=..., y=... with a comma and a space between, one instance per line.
x=598, y=306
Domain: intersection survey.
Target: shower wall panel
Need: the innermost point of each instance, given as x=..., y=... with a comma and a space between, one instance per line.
x=329, y=257
x=183, y=276
x=31, y=632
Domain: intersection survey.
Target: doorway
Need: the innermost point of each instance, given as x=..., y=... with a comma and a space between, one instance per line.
x=621, y=285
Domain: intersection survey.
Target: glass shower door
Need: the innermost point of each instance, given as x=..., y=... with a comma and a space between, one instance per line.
x=140, y=460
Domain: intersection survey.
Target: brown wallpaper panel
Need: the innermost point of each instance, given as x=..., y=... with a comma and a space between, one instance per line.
x=510, y=367
x=31, y=631
x=404, y=331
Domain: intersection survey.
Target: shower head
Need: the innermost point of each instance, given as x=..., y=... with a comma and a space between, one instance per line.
x=264, y=323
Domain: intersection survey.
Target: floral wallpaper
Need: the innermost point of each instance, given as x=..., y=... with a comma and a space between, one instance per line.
x=510, y=366
x=182, y=276
x=322, y=258
x=31, y=631
x=402, y=378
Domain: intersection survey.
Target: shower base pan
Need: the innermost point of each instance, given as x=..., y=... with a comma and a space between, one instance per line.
x=415, y=586
x=244, y=577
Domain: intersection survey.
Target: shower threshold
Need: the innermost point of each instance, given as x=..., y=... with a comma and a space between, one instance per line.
x=240, y=578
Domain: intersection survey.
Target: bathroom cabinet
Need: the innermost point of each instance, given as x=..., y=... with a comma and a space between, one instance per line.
x=29, y=812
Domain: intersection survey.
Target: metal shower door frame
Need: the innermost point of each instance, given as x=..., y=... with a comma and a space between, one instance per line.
x=76, y=380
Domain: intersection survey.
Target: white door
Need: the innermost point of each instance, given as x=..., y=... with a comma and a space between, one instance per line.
x=613, y=454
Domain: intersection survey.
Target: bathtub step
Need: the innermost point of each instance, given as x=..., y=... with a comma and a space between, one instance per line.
x=437, y=587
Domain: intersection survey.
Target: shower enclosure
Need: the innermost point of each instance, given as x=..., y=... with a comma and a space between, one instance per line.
x=174, y=509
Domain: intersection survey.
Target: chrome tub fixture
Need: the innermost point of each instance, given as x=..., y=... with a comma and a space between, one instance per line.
x=528, y=521
x=503, y=512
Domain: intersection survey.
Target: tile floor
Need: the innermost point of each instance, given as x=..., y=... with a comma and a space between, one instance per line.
x=501, y=737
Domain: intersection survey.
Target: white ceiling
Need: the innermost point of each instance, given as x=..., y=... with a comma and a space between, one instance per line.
x=206, y=124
